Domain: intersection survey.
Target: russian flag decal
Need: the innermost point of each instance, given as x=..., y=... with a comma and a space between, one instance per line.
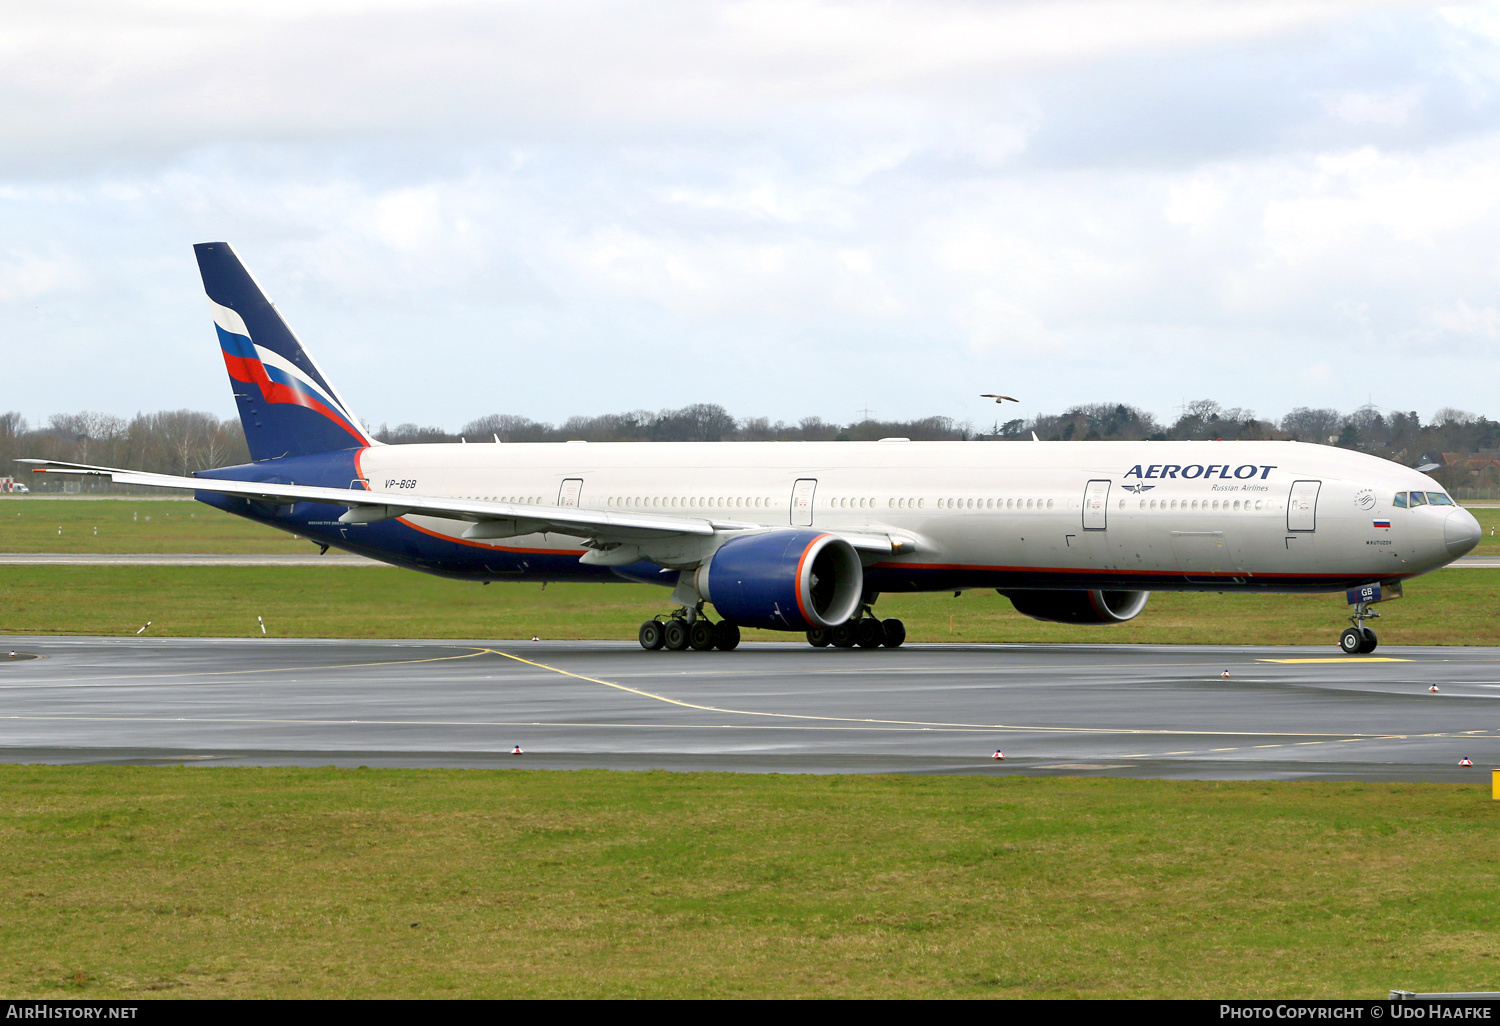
x=1382, y=523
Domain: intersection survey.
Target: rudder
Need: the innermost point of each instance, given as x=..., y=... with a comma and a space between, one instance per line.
x=287, y=406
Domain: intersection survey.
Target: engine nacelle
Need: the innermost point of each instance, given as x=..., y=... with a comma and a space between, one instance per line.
x=1079, y=606
x=784, y=581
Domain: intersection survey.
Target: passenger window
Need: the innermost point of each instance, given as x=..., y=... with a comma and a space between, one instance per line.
x=1400, y=501
x=1438, y=499
x=1418, y=499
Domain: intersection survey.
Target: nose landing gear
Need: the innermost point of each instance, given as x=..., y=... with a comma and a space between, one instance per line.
x=1358, y=639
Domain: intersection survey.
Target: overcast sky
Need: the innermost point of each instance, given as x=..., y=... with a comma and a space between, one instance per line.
x=790, y=209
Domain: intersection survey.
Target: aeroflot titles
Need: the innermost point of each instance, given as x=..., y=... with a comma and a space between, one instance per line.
x=1197, y=470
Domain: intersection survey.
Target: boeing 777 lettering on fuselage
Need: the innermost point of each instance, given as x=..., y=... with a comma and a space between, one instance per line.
x=805, y=536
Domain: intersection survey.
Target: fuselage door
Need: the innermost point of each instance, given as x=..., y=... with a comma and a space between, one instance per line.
x=1302, y=507
x=802, y=501
x=571, y=489
x=1096, y=506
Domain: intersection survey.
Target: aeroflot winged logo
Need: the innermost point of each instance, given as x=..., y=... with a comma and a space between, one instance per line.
x=278, y=378
x=1222, y=471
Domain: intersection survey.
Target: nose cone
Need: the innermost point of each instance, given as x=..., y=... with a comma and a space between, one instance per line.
x=1460, y=532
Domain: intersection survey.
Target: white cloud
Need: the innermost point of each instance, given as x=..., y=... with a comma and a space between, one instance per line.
x=1465, y=320
x=790, y=209
x=26, y=276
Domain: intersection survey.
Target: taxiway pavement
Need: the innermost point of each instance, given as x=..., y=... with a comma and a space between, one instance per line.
x=1127, y=710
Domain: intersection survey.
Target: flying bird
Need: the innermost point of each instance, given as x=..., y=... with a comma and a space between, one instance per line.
x=1000, y=398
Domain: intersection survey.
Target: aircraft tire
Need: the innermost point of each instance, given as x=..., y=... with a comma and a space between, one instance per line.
x=651, y=635
x=895, y=632
x=818, y=638
x=701, y=635
x=1351, y=642
x=726, y=636
x=843, y=635
x=1370, y=642
x=869, y=632
x=675, y=635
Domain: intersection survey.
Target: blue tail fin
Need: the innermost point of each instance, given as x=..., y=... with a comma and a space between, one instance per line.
x=287, y=406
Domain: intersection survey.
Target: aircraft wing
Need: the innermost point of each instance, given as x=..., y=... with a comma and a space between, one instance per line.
x=367, y=507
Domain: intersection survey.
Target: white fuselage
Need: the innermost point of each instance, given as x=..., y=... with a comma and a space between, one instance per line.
x=1271, y=515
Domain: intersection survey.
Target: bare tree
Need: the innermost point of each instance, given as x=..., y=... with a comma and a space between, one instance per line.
x=1309, y=425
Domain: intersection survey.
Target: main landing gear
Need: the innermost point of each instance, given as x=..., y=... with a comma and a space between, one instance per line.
x=1358, y=639
x=686, y=629
x=865, y=630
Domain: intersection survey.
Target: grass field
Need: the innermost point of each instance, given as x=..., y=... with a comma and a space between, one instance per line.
x=29, y=524
x=201, y=882
x=1450, y=607
x=274, y=882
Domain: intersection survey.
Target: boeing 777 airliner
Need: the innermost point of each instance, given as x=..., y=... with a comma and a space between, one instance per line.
x=805, y=536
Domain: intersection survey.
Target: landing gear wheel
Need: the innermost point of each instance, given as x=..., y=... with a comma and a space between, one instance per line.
x=701, y=635
x=819, y=638
x=895, y=632
x=843, y=635
x=675, y=635
x=726, y=636
x=868, y=632
x=1352, y=641
x=1359, y=639
x=651, y=635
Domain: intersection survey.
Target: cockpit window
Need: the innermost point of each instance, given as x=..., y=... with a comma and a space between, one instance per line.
x=1418, y=499
x=1439, y=499
x=1400, y=502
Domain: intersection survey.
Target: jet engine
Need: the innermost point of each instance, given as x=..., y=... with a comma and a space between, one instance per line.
x=1079, y=606
x=784, y=580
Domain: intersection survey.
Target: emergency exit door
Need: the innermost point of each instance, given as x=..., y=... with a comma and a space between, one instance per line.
x=1096, y=506
x=1302, y=506
x=802, y=501
x=568, y=494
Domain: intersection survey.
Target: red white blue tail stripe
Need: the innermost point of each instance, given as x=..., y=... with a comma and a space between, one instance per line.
x=287, y=405
x=277, y=378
